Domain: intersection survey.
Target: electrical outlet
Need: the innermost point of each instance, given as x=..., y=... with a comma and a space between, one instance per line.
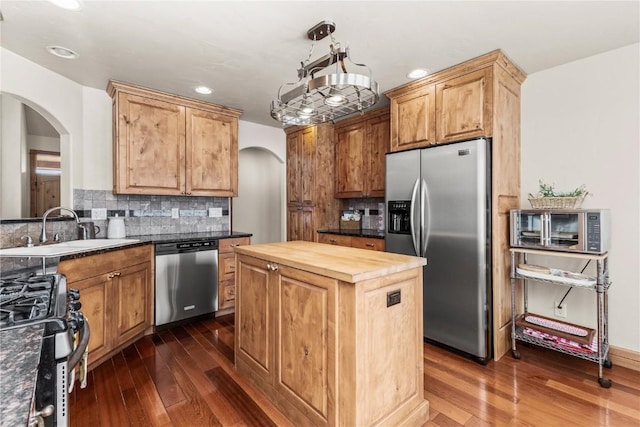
x=175, y=213
x=562, y=311
x=99, y=213
x=215, y=212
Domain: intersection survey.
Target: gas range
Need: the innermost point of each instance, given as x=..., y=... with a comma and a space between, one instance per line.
x=30, y=299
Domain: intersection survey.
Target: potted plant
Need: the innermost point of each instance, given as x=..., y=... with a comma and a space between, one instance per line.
x=549, y=198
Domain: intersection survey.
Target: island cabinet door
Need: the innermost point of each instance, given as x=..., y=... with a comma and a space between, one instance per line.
x=254, y=333
x=306, y=346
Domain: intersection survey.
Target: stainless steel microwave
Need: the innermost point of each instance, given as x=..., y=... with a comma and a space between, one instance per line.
x=571, y=230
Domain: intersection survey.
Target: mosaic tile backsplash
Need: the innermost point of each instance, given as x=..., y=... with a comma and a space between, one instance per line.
x=144, y=215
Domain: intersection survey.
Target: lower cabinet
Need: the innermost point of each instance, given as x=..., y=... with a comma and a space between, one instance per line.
x=371, y=243
x=116, y=293
x=227, y=271
x=329, y=352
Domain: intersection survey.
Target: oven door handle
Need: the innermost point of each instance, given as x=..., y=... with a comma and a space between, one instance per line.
x=83, y=343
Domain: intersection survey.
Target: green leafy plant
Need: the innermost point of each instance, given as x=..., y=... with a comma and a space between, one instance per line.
x=548, y=190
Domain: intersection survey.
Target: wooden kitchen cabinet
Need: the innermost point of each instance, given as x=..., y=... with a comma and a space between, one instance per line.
x=116, y=293
x=321, y=338
x=370, y=243
x=479, y=97
x=361, y=144
x=464, y=106
x=227, y=270
x=310, y=181
x=168, y=145
x=413, y=117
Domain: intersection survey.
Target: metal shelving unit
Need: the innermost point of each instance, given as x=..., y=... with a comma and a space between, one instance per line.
x=600, y=356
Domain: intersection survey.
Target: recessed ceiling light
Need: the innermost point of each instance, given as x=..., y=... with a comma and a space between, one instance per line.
x=68, y=4
x=418, y=73
x=62, y=52
x=203, y=90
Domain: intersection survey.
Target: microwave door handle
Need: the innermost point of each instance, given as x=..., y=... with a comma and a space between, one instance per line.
x=547, y=230
x=414, y=230
x=542, y=229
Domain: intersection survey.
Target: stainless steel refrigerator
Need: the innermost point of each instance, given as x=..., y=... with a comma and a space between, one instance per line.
x=438, y=202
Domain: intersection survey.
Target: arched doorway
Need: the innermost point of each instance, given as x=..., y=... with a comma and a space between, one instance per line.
x=258, y=207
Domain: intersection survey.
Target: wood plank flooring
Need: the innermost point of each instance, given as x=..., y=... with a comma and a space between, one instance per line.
x=184, y=377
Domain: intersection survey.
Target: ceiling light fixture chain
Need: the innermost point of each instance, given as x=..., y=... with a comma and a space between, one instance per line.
x=324, y=93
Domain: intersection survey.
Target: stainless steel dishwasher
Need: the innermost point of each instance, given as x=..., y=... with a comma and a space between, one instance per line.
x=186, y=280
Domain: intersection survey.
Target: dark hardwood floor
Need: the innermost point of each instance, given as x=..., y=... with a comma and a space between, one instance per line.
x=184, y=376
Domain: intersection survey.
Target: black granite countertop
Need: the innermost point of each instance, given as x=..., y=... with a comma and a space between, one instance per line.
x=184, y=237
x=19, y=358
x=376, y=234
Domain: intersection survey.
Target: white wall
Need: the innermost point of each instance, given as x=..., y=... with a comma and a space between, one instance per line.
x=252, y=135
x=580, y=125
x=57, y=99
x=13, y=139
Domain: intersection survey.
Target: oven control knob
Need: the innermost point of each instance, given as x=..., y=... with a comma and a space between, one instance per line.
x=73, y=293
x=75, y=305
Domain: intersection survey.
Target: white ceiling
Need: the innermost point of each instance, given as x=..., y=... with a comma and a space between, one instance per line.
x=245, y=50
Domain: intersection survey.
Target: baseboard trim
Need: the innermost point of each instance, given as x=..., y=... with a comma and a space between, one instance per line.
x=625, y=358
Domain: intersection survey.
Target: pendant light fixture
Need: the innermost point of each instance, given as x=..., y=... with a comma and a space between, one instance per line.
x=325, y=90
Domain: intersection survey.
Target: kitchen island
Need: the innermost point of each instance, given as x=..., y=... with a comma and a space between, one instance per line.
x=332, y=335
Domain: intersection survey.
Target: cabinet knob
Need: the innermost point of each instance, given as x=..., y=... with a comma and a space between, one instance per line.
x=369, y=245
x=333, y=241
x=272, y=267
x=234, y=245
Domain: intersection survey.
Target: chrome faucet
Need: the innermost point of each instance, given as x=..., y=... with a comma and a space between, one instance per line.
x=43, y=233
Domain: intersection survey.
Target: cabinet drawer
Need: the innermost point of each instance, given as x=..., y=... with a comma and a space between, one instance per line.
x=226, y=266
x=334, y=239
x=367, y=243
x=227, y=245
x=95, y=265
x=226, y=294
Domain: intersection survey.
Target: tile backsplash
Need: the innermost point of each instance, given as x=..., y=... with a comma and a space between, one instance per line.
x=375, y=207
x=144, y=215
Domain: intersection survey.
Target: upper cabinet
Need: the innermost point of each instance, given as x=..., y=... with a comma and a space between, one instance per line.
x=413, y=118
x=169, y=145
x=463, y=106
x=451, y=105
x=361, y=144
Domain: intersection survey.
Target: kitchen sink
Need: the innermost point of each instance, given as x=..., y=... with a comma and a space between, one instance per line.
x=65, y=248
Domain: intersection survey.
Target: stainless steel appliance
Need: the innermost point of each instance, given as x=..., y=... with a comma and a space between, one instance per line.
x=446, y=193
x=29, y=299
x=571, y=230
x=186, y=280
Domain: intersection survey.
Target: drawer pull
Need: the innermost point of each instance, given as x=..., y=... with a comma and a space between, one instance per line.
x=232, y=266
x=369, y=245
x=234, y=245
x=333, y=241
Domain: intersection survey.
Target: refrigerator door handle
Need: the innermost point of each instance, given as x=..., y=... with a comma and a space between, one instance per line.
x=424, y=225
x=414, y=230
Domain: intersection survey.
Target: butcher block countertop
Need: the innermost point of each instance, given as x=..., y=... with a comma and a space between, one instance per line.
x=338, y=262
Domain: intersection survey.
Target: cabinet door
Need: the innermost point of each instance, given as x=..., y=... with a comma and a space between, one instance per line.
x=211, y=154
x=294, y=184
x=149, y=151
x=308, y=166
x=464, y=106
x=133, y=301
x=96, y=303
x=377, y=145
x=254, y=332
x=305, y=344
x=350, y=161
x=300, y=224
x=413, y=119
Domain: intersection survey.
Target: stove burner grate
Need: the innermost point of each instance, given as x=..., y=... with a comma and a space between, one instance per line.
x=25, y=298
